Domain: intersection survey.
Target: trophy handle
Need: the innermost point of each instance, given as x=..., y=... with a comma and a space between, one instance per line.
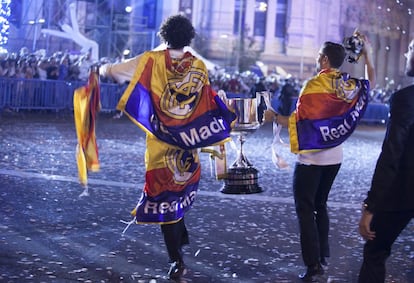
x=266, y=97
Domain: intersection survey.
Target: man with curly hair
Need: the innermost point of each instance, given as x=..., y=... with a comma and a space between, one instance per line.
x=170, y=98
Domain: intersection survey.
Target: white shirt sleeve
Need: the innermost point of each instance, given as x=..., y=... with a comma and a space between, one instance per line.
x=329, y=156
x=120, y=72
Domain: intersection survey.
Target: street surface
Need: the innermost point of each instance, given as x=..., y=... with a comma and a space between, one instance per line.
x=48, y=233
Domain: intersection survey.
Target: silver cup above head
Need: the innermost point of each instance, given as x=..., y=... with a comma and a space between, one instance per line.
x=354, y=45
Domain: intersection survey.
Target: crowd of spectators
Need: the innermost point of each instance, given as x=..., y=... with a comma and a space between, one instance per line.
x=75, y=67
x=59, y=66
x=67, y=66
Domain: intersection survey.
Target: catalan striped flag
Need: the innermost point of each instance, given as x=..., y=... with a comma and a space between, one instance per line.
x=86, y=104
x=172, y=101
x=327, y=112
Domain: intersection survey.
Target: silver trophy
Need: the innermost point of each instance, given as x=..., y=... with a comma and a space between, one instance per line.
x=242, y=176
x=354, y=45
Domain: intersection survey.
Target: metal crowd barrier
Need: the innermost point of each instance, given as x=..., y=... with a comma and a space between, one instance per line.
x=35, y=94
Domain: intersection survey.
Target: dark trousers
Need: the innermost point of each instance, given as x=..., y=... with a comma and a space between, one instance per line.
x=175, y=236
x=311, y=187
x=387, y=227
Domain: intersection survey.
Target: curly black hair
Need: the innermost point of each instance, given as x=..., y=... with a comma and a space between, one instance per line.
x=177, y=31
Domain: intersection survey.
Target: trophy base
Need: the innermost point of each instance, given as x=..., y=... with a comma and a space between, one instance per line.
x=241, y=180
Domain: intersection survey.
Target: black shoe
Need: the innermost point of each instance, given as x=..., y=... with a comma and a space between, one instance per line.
x=324, y=262
x=311, y=271
x=177, y=269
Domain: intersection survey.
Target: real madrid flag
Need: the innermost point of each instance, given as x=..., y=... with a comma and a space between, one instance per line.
x=172, y=101
x=327, y=112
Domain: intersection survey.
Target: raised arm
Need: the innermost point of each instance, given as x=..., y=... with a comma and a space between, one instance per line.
x=120, y=72
x=369, y=65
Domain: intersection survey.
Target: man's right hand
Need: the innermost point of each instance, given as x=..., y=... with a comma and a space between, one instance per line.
x=365, y=225
x=269, y=116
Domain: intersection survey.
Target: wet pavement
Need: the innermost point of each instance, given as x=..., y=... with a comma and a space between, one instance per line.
x=48, y=233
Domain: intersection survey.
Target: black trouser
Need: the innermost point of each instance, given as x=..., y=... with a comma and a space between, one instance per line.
x=387, y=227
x=175, y=236
x=311, y=187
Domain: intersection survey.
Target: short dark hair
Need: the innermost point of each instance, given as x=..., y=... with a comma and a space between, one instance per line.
x=177, y=31
x=335, y=53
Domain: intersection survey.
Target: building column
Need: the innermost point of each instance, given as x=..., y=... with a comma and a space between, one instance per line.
x=272, y=45
x=215, y=23
x=249, y=17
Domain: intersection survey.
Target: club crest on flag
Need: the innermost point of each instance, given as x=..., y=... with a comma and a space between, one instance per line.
x=182, y=164
x=180, y=98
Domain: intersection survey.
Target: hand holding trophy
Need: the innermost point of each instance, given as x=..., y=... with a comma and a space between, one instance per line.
x=357, y=45
x=354, y=45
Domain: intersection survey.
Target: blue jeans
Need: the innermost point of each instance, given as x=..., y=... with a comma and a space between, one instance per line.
x=311, y=187
x=387, y=227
